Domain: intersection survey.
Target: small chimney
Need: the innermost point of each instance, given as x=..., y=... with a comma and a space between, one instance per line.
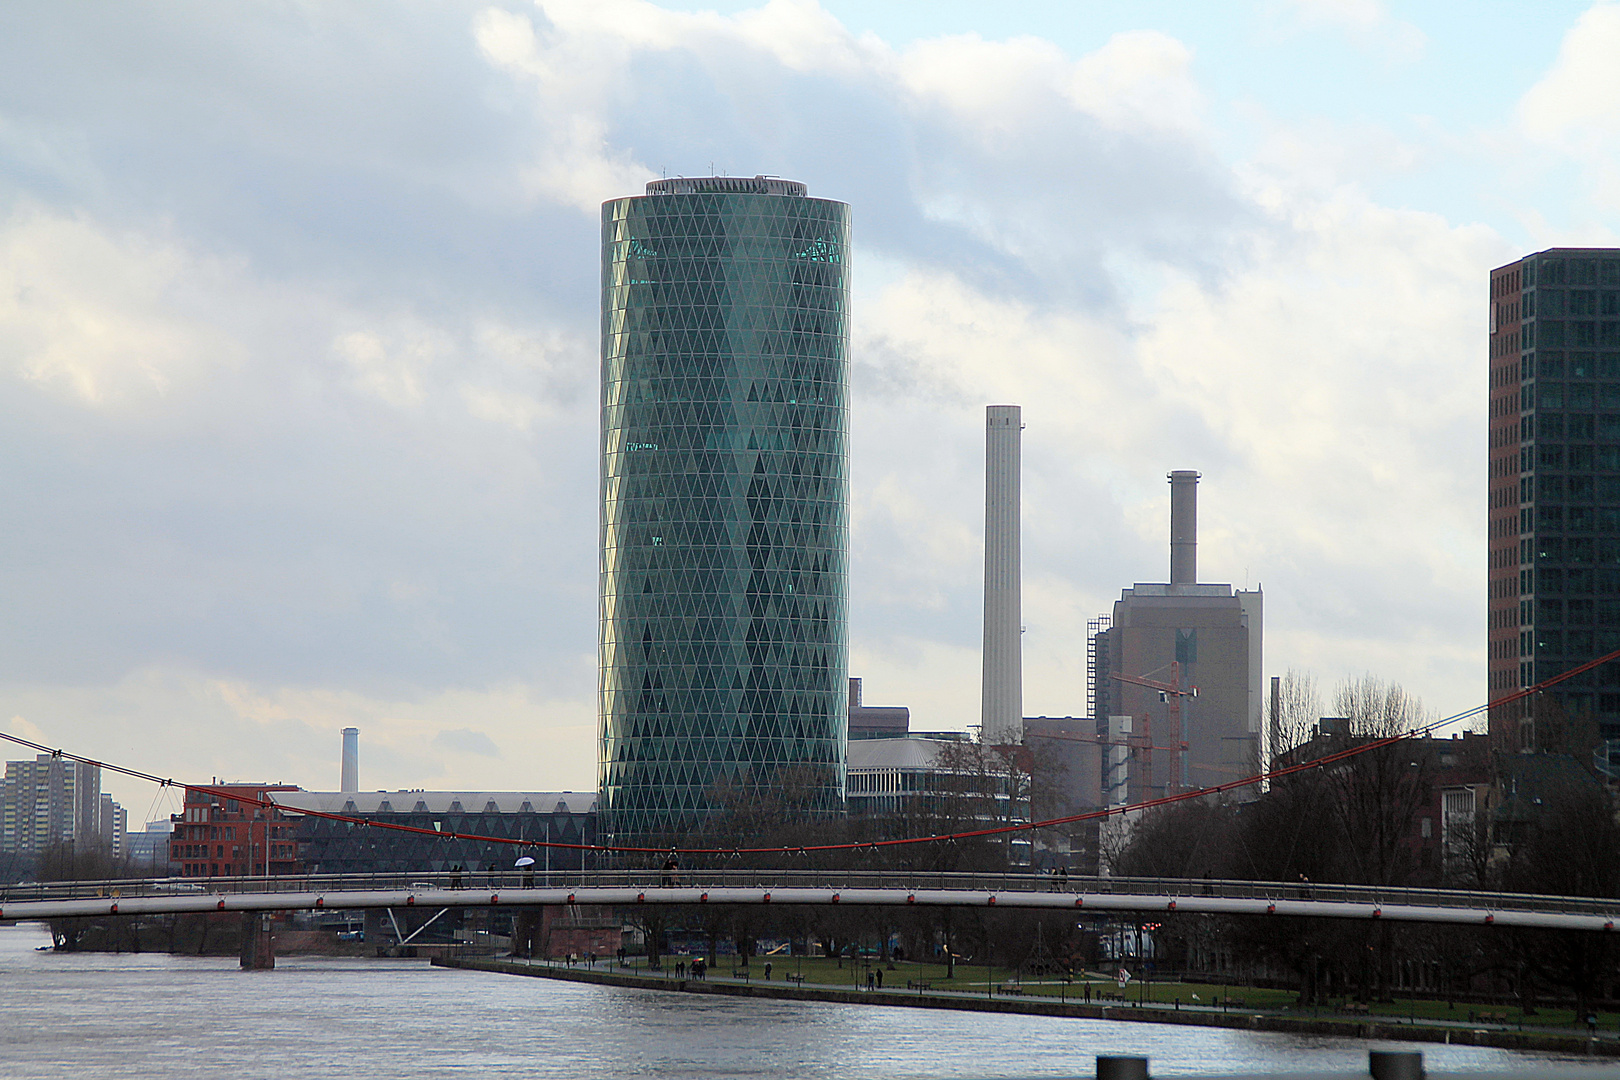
x=854, y=693
x=1184, y=527
x=351, y=760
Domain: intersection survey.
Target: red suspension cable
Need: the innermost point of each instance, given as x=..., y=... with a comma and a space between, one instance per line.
x=870, y=845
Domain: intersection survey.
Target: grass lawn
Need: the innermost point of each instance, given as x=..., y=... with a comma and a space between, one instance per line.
x=975, y=979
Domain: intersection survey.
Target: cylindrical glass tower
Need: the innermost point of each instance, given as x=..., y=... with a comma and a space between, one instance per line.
x=725, y=505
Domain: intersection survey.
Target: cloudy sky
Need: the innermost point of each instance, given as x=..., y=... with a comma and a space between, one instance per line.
x=298, y=312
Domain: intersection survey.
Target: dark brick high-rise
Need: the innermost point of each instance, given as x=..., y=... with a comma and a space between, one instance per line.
x=1555, y=485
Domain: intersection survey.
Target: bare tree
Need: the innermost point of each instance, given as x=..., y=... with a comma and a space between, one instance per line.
x=1379, y=793
x=1301, y=705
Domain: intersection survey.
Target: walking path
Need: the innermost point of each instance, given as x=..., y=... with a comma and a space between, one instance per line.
x=1434, y=1031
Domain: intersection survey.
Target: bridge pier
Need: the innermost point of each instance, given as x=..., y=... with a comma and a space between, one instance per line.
x=258, y=942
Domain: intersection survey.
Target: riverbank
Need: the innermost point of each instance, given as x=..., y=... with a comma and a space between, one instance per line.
x=1450, y=1034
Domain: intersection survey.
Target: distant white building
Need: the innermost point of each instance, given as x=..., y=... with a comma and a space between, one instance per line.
x=938, y=781
x=149, y=849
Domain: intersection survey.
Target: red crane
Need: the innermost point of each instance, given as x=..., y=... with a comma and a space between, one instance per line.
x=1171, y=693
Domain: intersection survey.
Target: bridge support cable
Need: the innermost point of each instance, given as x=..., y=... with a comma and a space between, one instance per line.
x=871, y=845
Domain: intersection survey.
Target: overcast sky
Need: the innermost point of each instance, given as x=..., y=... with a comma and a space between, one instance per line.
x=298, y=339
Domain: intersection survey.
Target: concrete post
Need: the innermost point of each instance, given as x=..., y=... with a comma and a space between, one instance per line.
x=1122, y=1068
x=1395, y=1064
x=258, y=943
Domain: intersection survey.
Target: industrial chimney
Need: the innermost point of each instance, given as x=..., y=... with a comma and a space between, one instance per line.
x=351, y=760
x=1184, y=527
x=1003, y=685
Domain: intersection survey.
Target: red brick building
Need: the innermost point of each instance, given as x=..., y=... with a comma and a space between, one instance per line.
x=223, y=833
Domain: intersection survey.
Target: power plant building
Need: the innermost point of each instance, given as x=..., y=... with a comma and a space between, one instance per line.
x=1175, y=679
x=723, y=625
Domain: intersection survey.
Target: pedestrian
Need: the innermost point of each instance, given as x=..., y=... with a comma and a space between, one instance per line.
x=1591, y=1024
x=455, y=876
x=879, y=978
x=870, y=982
x=671, y=865
x=1063, y=879
x=767, y=971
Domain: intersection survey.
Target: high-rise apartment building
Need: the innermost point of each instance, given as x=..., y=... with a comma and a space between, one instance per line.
x=1554, y=503
x=48, y=801
x=725, y=502
x=111, y=824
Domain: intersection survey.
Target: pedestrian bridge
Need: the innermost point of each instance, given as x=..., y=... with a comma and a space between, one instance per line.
x=1127, y=897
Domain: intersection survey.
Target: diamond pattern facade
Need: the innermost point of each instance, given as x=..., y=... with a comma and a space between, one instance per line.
x=725, y=503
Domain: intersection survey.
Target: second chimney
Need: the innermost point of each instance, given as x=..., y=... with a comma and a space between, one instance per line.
x=1184, y=527
x=349, y=779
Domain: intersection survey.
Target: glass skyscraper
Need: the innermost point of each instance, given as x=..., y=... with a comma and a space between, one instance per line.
x=725, y=504
x=1554, y=514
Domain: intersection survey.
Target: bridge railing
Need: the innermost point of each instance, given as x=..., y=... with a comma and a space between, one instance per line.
x=912, y=880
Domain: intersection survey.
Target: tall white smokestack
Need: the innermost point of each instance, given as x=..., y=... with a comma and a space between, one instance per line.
x=351, y=760
x=1184, y=527
x=1003, y=685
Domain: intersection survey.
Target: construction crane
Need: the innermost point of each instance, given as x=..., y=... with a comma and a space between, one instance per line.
x=1171, y=693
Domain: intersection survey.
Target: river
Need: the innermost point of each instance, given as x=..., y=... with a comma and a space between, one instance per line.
x=94, y=1015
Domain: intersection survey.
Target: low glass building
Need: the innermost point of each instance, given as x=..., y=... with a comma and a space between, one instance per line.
x=725, y=505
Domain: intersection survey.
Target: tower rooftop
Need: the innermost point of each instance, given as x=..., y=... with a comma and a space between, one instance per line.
x=744, y=185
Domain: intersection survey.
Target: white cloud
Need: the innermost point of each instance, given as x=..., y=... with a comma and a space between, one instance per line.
x=351, y=281
x=150, y=719
x=466, y=741
x=1367, y=22
x=393, y=374
x=1575, y=107
x=100, y=315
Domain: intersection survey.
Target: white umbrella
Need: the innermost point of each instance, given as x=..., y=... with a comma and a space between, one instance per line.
x=525, y=861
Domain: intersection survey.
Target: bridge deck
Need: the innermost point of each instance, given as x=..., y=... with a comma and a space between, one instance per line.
x=760, y=887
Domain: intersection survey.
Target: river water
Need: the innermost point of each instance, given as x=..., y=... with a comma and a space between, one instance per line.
x=93, y=1015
